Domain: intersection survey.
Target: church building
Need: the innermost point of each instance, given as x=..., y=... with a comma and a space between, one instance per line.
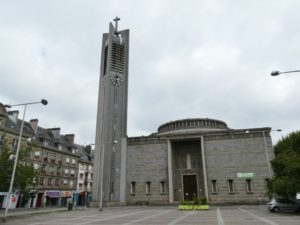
x=184, y=159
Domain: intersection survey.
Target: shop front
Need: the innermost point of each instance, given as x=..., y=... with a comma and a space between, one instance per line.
x=65, y=198
x=12, y=202
x=52, y=198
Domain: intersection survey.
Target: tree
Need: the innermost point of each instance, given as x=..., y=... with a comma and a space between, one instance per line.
x=286, y=166
x=25, y=173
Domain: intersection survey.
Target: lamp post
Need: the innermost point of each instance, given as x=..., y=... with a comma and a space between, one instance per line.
x=276, y=72
x=44, y=102
x=102, y=172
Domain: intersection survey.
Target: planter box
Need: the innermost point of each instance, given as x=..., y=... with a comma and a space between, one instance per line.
x=201, y=207
x=193, y=207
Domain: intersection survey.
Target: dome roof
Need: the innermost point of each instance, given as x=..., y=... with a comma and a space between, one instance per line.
x=192, y=125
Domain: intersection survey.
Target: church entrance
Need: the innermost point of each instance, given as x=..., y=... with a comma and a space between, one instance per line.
x=189, y=187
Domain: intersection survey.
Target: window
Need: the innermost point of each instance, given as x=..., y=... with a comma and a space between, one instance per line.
x=58, y=170
x=214, y=186
x=44, y=167
x=162, y=187
x=230, y=186
x=249, y=187
x=188, y=161
x=49, y=181
x=51, y=169
x=66, y=172
x=132, y=188
x=36, y=166
x=52, y=158
x=45, y=156
x=37, y=154
x=148, y=187
x=57, y=182
x=72, y=173
x=71, y=183
x=73, y=161
x=67, y=160
x=80, y=186
x=59, y=159
x=42, y=179
x=81, y=176
x=267, y=182
x=65, y=182
x=14, y=143
x=81, y=166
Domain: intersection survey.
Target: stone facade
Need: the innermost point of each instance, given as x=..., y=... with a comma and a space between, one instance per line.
x=224, y=165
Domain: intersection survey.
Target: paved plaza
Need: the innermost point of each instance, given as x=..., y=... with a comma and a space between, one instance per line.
x=234, y=215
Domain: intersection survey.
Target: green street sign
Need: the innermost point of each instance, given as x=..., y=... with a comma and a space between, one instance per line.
x=245, y=175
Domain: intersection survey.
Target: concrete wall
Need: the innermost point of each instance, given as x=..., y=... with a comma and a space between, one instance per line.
x=147, y=161
x=227, y=156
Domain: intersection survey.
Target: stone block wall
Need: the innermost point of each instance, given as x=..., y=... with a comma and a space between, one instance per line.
x=147, y=161
x=226, y=157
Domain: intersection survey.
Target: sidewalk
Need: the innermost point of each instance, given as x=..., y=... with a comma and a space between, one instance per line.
x=30, y=211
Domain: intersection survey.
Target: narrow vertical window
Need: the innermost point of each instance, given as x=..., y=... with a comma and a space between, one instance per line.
x=249, y=186
x=188, y=161
x=105, y=60
x=230, y=186
x=14, y=143
x=267, y=182
x=162, y=187
x=214, y=186
x=132, y=188
x=148, y=187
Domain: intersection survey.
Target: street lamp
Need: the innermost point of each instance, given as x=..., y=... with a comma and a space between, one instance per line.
x=276, y=72
x=44, y=102
x=101, y=175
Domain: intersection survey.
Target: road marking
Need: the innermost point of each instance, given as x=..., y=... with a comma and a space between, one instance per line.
x=180, y=218
x=258, y=217
x=146, y=217
x=219, y=217
x=59, y=221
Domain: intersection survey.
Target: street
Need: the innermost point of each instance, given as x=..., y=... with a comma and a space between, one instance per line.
x=223, y=215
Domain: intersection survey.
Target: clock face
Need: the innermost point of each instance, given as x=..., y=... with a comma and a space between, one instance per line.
x=116, y=79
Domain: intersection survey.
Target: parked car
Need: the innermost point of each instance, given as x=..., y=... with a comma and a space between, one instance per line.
x=280, y=204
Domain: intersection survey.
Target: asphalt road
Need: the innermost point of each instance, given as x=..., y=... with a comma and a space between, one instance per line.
x=234, y=215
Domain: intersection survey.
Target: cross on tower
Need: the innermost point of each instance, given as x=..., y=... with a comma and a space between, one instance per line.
x=116, y=23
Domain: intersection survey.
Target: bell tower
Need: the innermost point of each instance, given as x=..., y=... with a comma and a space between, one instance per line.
x=109, y=180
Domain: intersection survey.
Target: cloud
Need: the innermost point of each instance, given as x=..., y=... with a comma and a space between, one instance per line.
x=206, y=58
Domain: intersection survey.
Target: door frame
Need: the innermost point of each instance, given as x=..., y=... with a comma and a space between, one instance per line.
x=182, y=185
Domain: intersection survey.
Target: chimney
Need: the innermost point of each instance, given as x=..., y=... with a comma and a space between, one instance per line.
x=70, y=138
x=55, y=132
x=34, y=124
x=13, y=115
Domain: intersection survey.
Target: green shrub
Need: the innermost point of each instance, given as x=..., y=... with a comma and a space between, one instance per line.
x=203, y=201
x=196, y=201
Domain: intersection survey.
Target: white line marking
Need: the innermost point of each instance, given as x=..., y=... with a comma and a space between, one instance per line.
x=59, y=221
x=180, y=218
x=257, y=217
x=147, y=217
x=219, y=217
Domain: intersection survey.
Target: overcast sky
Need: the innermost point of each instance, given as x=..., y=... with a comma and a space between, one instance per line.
x=188, y=59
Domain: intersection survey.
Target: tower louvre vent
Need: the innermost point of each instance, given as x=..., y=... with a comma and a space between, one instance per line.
x=118, y=58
